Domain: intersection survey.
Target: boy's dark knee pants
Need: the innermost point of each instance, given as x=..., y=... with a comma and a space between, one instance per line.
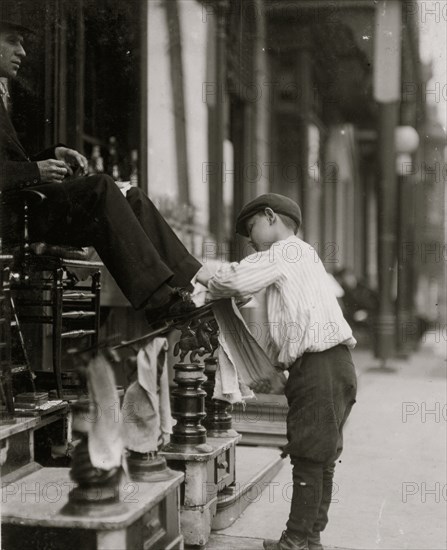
x=320, y=391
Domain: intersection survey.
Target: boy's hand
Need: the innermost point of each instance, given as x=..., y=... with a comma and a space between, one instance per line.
x=278, y=381
x=275, y=384
x=204, y=275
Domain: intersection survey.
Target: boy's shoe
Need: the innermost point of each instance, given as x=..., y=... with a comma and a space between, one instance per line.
x=178, y=306
x=288, y=541
x=314, y=541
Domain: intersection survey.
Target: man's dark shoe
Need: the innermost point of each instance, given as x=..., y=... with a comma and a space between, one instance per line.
x=288, y=541
x=178, y=306
x=314, y=541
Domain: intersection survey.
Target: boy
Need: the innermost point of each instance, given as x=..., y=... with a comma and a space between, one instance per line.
x=309, y=337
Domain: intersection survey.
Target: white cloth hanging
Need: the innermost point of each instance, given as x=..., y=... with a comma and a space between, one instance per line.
x=243, y=364
x=146, y=406
x=105, y=442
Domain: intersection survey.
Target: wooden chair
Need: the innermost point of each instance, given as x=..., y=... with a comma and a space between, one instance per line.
x=46, y=290
x=6, y=391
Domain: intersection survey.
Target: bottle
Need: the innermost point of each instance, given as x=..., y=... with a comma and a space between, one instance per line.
x=113, y=168
x=96, y=162
x=134, y=168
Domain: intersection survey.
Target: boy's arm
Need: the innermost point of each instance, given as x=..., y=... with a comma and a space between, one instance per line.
x=244, y=278
x=204, y=275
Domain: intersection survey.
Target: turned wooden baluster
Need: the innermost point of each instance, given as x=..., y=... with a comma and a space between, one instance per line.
x=188, y=399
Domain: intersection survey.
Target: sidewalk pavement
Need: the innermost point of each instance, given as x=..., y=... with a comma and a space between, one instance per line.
x=390, y=484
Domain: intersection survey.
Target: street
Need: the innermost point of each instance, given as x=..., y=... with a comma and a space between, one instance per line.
x=390, y=486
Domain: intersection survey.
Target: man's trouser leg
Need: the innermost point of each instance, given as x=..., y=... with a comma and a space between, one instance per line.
x=320, y=391
x=93, y=211
x=171, y=249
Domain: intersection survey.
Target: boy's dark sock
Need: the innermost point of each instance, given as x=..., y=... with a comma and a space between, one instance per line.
x=322, y=518
x=306, y=496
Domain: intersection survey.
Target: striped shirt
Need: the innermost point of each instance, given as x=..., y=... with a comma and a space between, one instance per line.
x=302, y=310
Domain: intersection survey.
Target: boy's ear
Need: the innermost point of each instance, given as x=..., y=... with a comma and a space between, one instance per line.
x=270, y=215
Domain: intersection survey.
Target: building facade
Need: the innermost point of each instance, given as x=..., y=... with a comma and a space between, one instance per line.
x=223, y=100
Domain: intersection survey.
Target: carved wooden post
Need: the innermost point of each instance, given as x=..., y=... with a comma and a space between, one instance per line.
x=210, y=464
x=189, y=405
x=218, y=421
x=188, y=399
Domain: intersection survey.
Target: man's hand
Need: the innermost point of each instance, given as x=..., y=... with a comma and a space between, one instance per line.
x=76, y=163
x=52, y=171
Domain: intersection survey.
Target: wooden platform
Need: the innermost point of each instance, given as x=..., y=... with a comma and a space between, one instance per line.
x=36, y=509
x=16, y=425
x=207, y=474
x=17, y=439
x=35, y=419
x=40, y=498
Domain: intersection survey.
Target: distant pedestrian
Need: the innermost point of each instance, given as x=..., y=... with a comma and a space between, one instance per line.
x=309, y=337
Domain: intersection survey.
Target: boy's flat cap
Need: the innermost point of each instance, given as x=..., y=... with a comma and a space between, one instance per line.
x=278, y=203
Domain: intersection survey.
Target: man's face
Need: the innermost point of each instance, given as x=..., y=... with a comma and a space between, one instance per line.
x=11, y=52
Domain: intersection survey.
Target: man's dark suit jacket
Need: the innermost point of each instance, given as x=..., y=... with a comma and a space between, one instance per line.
x=17, y=169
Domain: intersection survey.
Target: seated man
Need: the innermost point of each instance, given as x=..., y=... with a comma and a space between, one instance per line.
x=138, y=247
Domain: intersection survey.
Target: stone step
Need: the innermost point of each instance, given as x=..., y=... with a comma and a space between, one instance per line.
x=262, y=421
x=226, y=542
x=255, y=468
x=264, y=433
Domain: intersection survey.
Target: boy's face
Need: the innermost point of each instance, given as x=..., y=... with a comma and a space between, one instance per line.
x=260, y=232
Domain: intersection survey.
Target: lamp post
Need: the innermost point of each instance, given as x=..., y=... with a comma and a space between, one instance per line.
x=406, y=143
x=387, y=93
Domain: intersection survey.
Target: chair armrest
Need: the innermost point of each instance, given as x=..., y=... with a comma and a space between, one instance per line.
x=32, y=196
